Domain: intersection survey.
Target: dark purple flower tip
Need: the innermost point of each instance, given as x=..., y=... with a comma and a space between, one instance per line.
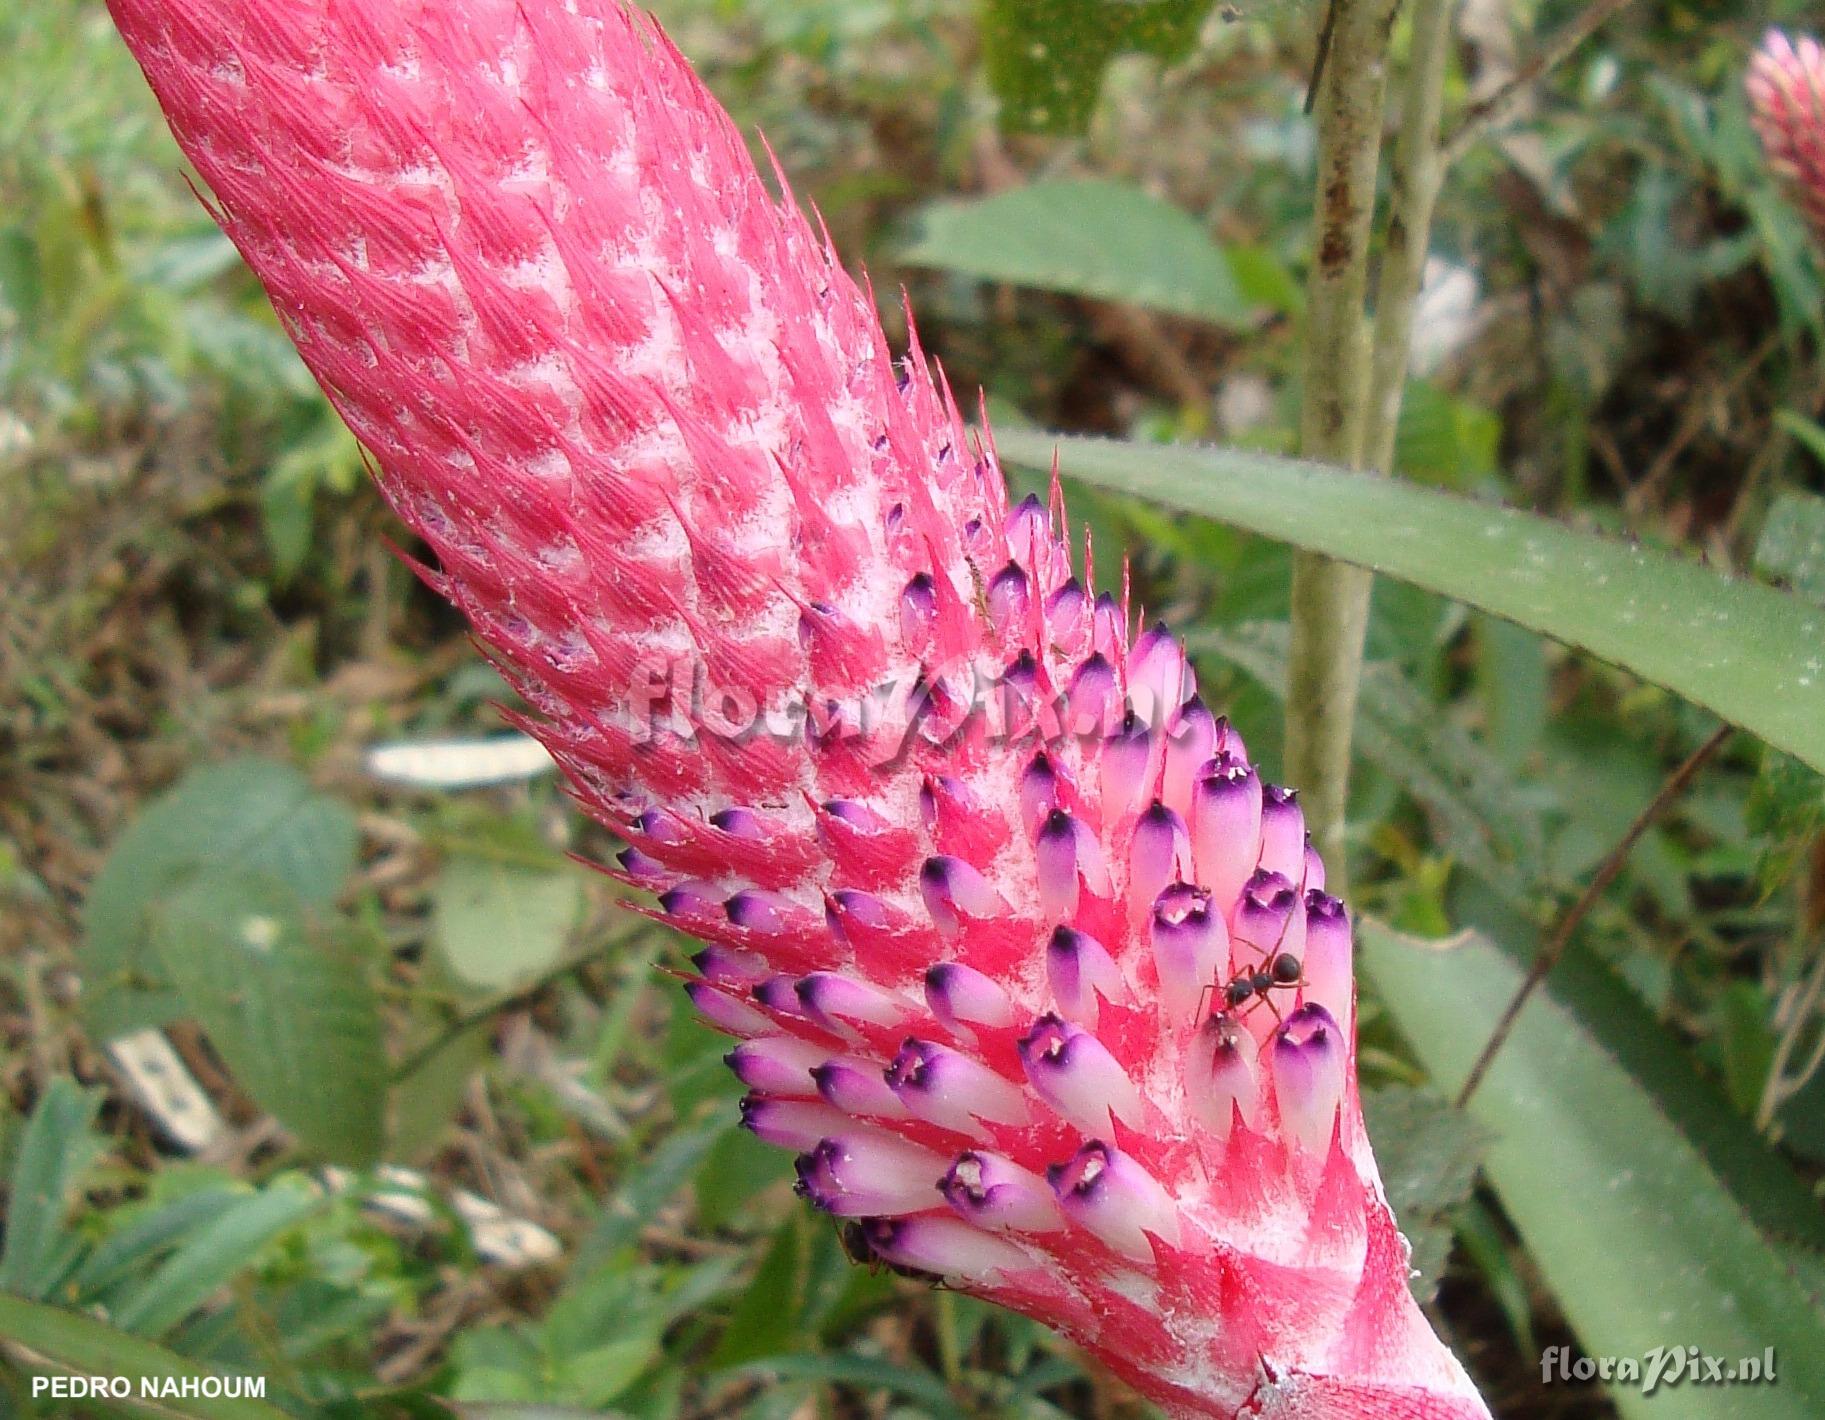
x=1308, y=1068
x=992, y=1191
x=962, y=997
x=836, y=1001
x=757, y=910
x=863, y=1172
x=643, y=868
x=1074, y=1073
x=729, y=966
x=954, y=891
x=817, y=1178
x=788, y=1124
x=1181, y=904
x=780, y=993
x=856, y=815
x=724, y=1011
x=1269, y=891
x=1311, y=1027
x=1021, y=675
x=1009, y=597
x=739, y=823
x=944, y=1087
x=1195, y=727
x=1028, y=526
x=856, y=1088
x=918, y=608
x=661, y=825
x=1112, y=1196
x=1320, y=906
x=775, y=1064
x=688, y=901
x=1277, y=796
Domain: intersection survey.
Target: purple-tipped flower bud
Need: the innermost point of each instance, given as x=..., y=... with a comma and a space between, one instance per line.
x=1090, y=699
x=1159, y=854
x=1226, y=825
x=643, y=869
x=1314, y=867
x=730, y=966
x=739, y=823
x=1269, y=919
x=962, y=997
x=1190, y=943
x=956, y=893
x=692, y=903
x=1158, y=677
x=1038, y=792
x=1067, y=616
x=1029, y=530
x=946, y=1247
x=1108, y=1193
x=1282, y=833
x=1079, y=970
x=992, y=1191
x=1125, y=767
x=776, y=1064
x=1009, y=599
x=724, y=1012
x=789, y=1124
x=918, y=612
x=1068, y=859
x=1075, y=1074
x=838, y=1002
x=855, y=1086
x=1308, y=1065
x=952, y=1090
x=1108, y=632
x=1222, y=1076
x=864, y=1173
x=1191, y=740
x=1329, y=971
x=760, y=911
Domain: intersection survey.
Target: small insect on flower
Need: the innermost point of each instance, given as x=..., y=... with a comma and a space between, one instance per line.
x=1250, y=987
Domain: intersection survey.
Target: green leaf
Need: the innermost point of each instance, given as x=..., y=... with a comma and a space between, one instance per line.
x=1087, y=237
x=213, y=1254
x=1475, y=813
x=79, y=1345
x=1428, y=1153
x=1046, y=58
x=1753, y=655
x=60, y=1143
x=766, y=1318
x=1792, y=545
x=869, y=1374
x=500, y=925
x=125, y=1251
x=246, y=814
x=292, y=1010
x=1637, y=1237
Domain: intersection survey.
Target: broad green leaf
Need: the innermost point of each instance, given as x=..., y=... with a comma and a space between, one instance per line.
x=1792, y=545
x=131, y=1247
x=1087, y=237
x=290, y=1008
x=1753, y=655
x=1635, y=1234
x=1046, y=58
x=213, y=1254
x=499, y=924
x=1428, y=1153
x=60, y=1143
x=767, y=1316
x=246, y=814
x=74, y=1344
x=1474, y=810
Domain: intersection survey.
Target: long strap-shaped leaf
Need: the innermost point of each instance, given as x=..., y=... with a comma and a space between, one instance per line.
x=1753, y=655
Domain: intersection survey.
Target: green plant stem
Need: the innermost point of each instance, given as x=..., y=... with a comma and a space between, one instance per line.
x=1416, y=173
x=1548, y=955
x=1330, y=601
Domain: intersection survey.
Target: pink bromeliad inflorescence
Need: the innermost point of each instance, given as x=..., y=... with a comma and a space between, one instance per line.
x=1786, y=85
x=1027, y=965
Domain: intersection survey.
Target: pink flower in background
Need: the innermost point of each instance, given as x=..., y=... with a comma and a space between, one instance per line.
x=1786, y=84
x=1028, y=967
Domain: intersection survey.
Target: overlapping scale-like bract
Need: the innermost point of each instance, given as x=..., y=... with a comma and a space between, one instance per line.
x=977, y=871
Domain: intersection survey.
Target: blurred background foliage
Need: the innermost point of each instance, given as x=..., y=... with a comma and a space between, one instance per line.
x=428, y=1120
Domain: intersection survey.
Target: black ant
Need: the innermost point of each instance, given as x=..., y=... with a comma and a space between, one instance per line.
x=1252, y=985
x=853, y=1235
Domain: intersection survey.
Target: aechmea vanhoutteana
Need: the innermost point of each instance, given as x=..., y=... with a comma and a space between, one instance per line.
x=1786, y=84
x=1028, y=966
